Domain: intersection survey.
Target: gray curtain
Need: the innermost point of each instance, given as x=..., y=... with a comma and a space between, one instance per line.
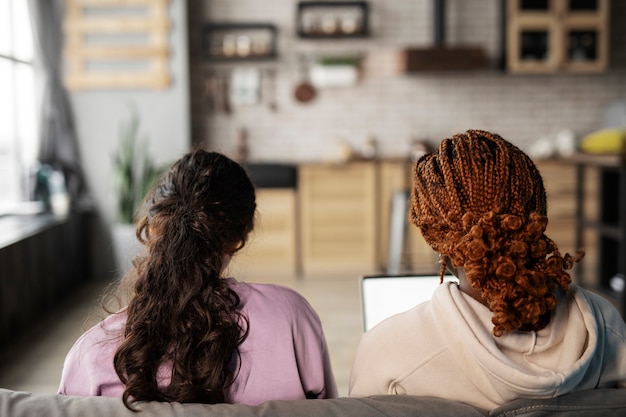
x=58, y=142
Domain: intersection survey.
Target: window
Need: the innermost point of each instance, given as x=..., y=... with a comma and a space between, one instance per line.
x=18, y=112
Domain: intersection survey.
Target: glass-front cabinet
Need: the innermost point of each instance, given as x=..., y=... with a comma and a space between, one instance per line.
x=545, y=36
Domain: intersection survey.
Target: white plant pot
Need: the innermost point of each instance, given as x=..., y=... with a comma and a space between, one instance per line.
x=323, y=76
x=125, y=246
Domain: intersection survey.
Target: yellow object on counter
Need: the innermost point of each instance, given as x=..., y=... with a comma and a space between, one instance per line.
x=605, y=141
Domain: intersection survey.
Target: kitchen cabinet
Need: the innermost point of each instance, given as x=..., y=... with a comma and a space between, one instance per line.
x=559, y=178
x=239, y=41
x=415, y=254
x=394, y=178
x=606, y=222
x=553, y=36
x=336, y=221
x=345, y=216
x=272, y=247
x=338, y=218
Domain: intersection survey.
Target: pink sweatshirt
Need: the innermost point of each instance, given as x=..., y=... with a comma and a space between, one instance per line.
x=284, y=356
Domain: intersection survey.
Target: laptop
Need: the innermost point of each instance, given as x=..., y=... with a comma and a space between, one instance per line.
x=385, y=295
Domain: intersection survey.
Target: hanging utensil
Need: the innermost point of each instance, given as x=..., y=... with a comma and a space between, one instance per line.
x=304, y=91
x=271, y=89
x=226, y=93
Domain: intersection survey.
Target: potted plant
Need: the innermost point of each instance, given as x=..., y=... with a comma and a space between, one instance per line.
x=134, y=173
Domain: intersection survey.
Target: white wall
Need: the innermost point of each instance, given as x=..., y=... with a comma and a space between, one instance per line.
x=164, y=119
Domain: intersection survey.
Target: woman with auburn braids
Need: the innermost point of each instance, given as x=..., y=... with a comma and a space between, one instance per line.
x=514, y=326
x=189, y=334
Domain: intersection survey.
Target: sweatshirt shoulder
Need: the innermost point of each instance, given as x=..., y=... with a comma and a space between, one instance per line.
x=107, y=331
x=269, y=291
x=272, y=297
x=401, y=328
x=604, y=312
x=88, y=365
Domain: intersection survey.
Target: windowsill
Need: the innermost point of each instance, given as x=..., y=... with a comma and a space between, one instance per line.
x=21, y=208
x=15, y=228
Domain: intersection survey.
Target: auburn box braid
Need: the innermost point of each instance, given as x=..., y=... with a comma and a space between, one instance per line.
x=480, y=202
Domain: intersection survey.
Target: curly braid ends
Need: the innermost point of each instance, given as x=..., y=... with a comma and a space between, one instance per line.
x=183, y=314
x=480, y=202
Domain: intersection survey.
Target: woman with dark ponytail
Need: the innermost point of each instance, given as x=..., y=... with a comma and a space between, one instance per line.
x=188, y=333
x=515, y=325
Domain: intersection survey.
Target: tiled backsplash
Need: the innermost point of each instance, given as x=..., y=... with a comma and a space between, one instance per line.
x=396, y=108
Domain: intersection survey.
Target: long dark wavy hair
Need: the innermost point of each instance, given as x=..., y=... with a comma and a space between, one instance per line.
x=480, y=202
x=182, y=313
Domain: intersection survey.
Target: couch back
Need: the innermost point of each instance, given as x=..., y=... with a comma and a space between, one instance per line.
x=592, y=403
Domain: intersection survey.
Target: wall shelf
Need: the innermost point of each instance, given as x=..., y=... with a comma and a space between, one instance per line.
x=332, y=19
x=234, y=42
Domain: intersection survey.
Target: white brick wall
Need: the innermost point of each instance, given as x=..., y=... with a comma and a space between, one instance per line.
x=397, y=108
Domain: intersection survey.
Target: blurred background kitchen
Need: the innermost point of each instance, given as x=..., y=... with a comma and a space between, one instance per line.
x=325, y=102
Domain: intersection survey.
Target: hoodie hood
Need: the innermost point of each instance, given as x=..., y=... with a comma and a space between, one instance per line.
x=545, y=363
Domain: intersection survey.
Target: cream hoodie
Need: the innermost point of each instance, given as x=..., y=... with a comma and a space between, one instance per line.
x=444, y=348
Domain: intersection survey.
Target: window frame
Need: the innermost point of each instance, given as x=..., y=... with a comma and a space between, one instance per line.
x=19, y=136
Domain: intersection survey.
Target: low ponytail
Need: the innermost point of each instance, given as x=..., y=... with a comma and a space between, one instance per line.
x=184, y=314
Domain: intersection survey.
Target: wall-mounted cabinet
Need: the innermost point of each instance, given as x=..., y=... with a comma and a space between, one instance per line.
x=548, y=36
x=239, y=41
x=332, y=19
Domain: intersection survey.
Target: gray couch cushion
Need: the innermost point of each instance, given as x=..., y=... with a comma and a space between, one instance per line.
x=22, y=404
x=590, y=403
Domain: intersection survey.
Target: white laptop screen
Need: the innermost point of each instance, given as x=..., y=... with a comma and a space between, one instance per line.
x=383, y=296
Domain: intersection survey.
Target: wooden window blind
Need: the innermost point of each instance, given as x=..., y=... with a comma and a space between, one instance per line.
x=117, y=44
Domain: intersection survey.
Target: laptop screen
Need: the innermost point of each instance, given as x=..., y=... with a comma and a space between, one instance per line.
x=385, y=295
